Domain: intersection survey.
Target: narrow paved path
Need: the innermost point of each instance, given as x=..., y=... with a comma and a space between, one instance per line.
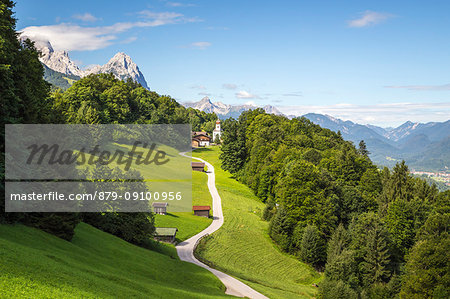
x=185, y=249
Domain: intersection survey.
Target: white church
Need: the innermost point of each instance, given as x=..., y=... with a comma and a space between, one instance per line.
x=217, y=131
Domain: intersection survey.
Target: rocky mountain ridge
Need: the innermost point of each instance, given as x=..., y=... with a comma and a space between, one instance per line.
x=226, y=110
x=121, y=65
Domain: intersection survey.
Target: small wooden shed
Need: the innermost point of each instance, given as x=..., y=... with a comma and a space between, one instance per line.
x=196, y=142
x=160, y=208
x=166, y=234
x=202, y=211
x=198, y=166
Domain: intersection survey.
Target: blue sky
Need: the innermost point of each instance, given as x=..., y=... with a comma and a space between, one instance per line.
x=378, y=62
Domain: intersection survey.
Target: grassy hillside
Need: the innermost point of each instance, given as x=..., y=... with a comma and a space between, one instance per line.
x=34, y=264
x=187, y=223
x=242, y=247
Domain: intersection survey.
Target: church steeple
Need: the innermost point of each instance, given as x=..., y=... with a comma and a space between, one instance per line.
x=217, y=131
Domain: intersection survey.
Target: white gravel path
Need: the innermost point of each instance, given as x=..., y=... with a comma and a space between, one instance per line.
x=185, y=249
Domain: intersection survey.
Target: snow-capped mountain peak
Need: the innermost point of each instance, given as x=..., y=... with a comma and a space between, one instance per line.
x=56, y=60
x=121, y=65
x=224, y=110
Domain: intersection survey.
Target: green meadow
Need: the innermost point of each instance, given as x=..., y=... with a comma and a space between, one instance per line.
x=34, y=264
x=96, y=264
x=242, y=247
x=187, y=223
x=174, y=176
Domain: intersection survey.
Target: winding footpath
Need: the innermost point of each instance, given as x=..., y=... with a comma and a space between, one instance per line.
x=186, y=248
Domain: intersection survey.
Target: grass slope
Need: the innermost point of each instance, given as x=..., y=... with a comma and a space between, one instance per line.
x=34, y=264
x=187, y=223
x=242, y=247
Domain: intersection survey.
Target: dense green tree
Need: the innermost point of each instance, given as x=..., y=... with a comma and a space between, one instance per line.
x=312, y=246
x=370, y=182
x=23, y=91
x=61, y=225
x=382, y=290
x=24, y=99
x=340, y=259
x=217, y=139
x=372, y=249
x=233, y=152
x=427, y=273
x=338, y=242
x=400, y=224
x=400, y=185
x=362, y=150
x=336, y=289
x=313, y=156
x=269, y=210
x=280, y=228
x=375, y=264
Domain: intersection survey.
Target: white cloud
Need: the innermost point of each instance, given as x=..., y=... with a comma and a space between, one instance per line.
x=86, y=17
x=230, y=86
x=251, y=103
x=129, y=40
x=369, y=18
x=392, y=114
x=293, y=94
x=246, y=95
x=200, y=45
x=423, y=87
x=159, y=15
x=197, y=86
x=71, y=37
x=179, y=4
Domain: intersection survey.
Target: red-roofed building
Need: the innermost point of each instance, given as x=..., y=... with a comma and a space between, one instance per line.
x=200, y=139
x=202, y=211
x=198, y=166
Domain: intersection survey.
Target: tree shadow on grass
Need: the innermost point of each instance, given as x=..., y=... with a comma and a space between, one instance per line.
x=172, y=215
x=202, y=149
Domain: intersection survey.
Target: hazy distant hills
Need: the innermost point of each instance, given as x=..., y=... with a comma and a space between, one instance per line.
x=422, y=146
x=224, y=111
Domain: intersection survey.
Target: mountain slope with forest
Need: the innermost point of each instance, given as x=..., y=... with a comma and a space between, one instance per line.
x=375, y=234
x=58, y=79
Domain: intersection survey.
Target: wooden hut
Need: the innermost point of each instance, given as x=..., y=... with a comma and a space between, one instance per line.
x=166, y=234
x=160, y=208
x=202, y=211
x=198, y=166
x=196, y=142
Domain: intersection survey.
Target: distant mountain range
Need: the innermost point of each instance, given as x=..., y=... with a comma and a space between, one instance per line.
x=65, y=71
x=422, y=146
x=224, y=111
